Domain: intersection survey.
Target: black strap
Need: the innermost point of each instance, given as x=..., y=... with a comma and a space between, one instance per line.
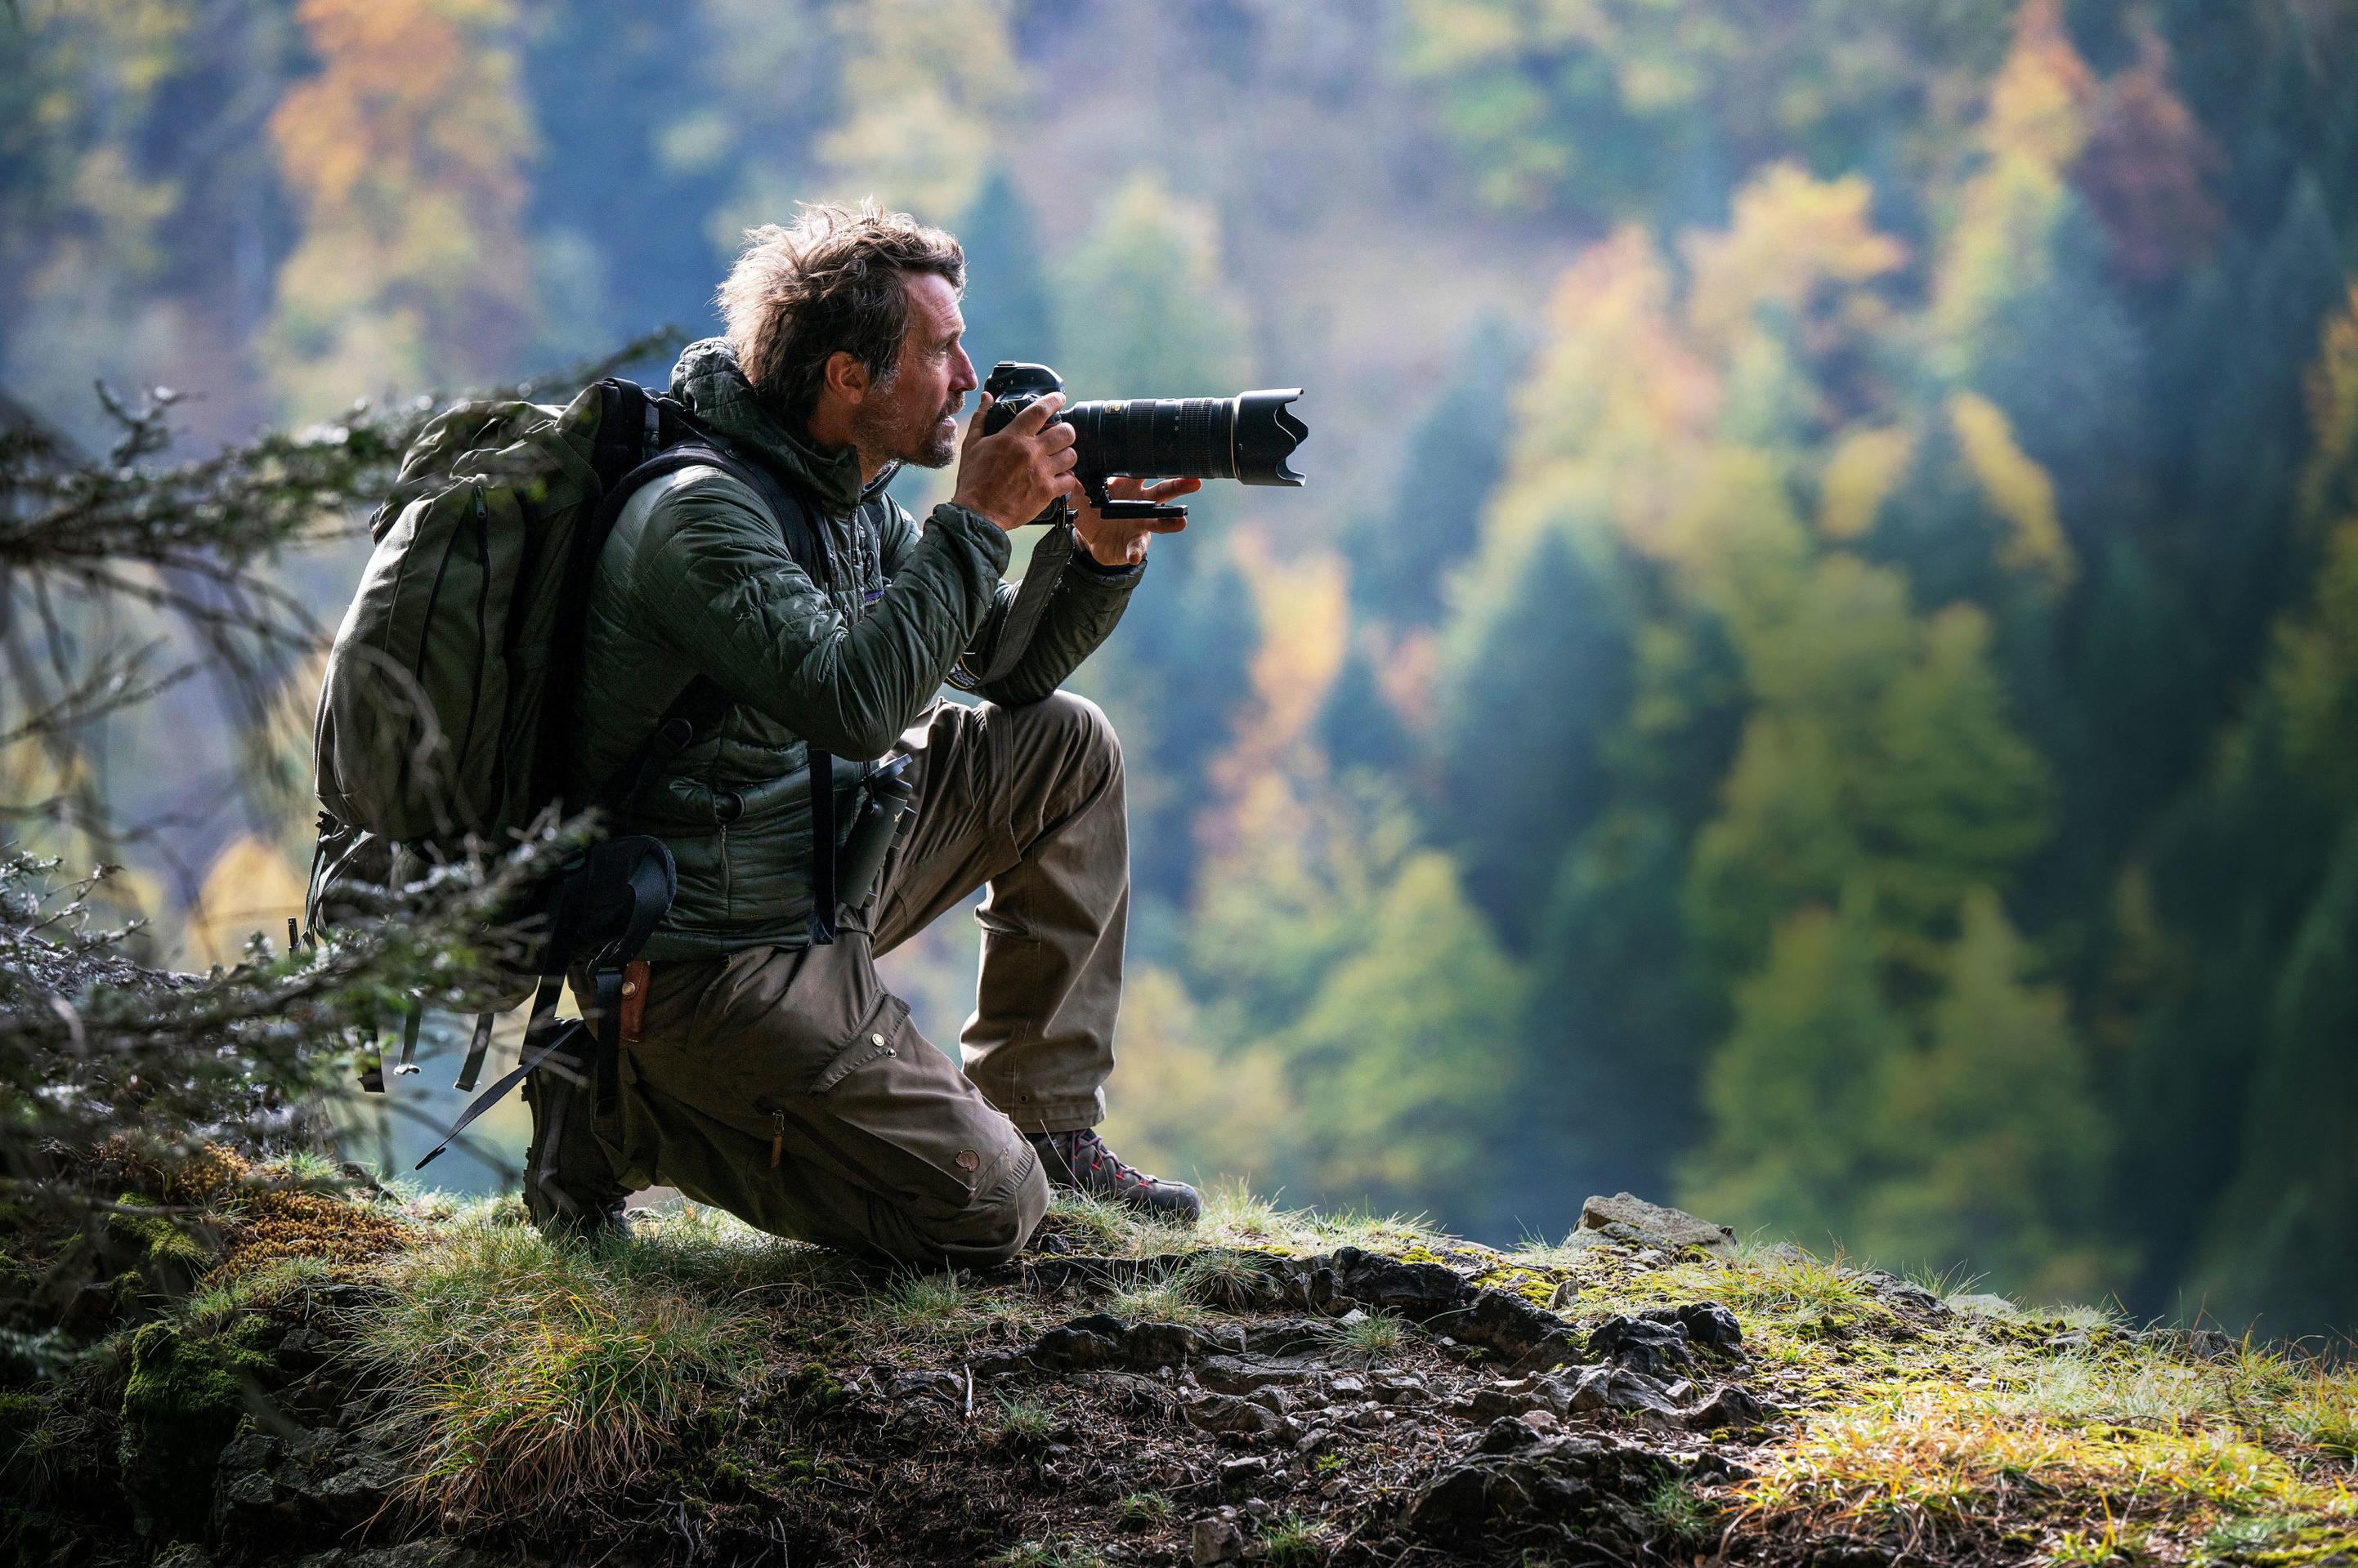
x=1051, y=558
x=410, y=1022
x=537, y=1051
x=477, y=1049
x=822, y=815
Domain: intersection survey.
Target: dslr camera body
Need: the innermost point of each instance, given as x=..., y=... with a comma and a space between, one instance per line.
x=1246, y=437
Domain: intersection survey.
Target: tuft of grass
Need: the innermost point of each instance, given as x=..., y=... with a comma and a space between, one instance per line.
x=1056, y=1551
x=1679, y=1513
x=1023, y=1421
x=1291, y=1542
x=1379, y=1336
x=1167, y=1299
x=1235, y=1216
x=522, y=1377
x=1144, y=1510
x=1092, y=1223
x=931, y=1307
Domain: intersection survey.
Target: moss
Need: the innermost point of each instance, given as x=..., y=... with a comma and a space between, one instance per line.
x=1536, y=1288
x=181, y=1405
x=158, y=1237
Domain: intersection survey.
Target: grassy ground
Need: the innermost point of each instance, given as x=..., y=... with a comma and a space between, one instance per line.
x=705, y=1391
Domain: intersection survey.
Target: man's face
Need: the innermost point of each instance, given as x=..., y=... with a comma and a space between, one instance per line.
x=913, y=417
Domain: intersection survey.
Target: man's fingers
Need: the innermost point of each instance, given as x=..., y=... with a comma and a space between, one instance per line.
x=1056, y=435
x=1034, y=417
x=1063, y=461
x=1165, y=524
x=974, y=426
x=1171, y=488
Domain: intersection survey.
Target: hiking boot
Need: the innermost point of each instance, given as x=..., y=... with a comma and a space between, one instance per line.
x=1080, y=1162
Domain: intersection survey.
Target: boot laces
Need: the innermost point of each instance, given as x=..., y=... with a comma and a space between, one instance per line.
x=1087, y=1144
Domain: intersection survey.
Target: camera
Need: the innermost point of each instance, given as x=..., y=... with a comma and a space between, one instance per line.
x=1246, y=437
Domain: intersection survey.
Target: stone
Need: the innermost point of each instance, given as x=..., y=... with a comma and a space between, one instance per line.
x=1226, y=1413
x=1514, y=1473
x=1642, y=1345
x=1522, y=1335
x=1706, y=1323
x=1148, y=1346
x=1283, y=1334
x=1729, y=1408
x=1353, y=1318
x=1218, y=1541
x=1903, y=1294
x=1243, y=1374
x=1349, y=1386
x=1986, y=1306
x=1710, y=1468
x=1641, y=1399
x=920, y=1385
x=1237, y=1474
x=1672, y=1229
x=1418, y=1291
x=1084, y=1344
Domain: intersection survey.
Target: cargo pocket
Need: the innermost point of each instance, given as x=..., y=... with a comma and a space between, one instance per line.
x=901, y=1118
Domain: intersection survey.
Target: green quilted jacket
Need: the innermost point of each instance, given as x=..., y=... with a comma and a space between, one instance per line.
x=696, y=578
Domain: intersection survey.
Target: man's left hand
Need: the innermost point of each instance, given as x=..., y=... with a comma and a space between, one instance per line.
x=1121, y=541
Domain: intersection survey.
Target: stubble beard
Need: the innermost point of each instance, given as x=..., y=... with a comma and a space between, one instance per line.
x=877, y=434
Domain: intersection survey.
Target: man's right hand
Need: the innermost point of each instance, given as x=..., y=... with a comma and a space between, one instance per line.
x=1011, y=477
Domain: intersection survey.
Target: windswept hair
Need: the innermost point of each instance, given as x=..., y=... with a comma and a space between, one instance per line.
x=831, y=280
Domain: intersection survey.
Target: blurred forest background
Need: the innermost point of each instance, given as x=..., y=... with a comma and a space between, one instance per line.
x=1816, y=676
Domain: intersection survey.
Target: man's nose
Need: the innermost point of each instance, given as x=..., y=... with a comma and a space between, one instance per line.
x=962, y=378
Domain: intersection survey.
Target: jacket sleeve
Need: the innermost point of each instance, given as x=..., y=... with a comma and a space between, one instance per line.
x=1089, y=603
x=720, y=586
x=1085, y=605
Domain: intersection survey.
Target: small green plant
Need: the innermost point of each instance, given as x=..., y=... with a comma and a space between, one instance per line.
x=1328, y=1464
x=1091, y=1224
x=1678, y=1513
x=1143, y=1511
x=1056, y=1551
x=1219, y=1279
x=1168, y=1300
x=1024, y=1422
x=931, y=1305
x=1376, y=1336
x=1291, y=1542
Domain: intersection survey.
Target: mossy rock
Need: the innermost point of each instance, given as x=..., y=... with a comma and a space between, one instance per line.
x=186, y=1394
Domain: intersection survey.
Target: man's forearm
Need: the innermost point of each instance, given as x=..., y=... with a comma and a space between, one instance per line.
x=1085, y=603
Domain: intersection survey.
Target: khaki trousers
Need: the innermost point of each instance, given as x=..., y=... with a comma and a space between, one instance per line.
x=788, y=1086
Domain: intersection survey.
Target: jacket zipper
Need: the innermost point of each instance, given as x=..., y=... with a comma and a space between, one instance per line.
x=777, y=1138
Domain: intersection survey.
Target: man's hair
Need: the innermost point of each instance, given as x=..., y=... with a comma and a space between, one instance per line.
x=833, y=279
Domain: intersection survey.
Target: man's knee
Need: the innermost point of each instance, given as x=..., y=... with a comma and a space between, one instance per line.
x=995, y=1226
x=1072, y=724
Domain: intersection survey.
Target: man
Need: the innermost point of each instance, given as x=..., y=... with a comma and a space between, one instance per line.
x=777, y=1078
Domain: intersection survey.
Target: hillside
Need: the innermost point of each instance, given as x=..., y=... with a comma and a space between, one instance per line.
x=365, y=1381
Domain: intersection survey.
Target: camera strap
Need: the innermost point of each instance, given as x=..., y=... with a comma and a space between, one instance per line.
x=1051, y=558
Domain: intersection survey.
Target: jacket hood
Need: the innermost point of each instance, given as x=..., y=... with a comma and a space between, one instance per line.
x=707, y=379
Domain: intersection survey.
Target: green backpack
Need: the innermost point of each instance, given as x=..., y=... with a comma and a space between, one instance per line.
x=451, y=684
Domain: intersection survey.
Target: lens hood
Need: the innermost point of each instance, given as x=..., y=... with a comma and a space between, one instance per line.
x=1266, y=433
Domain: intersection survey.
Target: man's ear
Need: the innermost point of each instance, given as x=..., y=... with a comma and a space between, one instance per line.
x=846, y=377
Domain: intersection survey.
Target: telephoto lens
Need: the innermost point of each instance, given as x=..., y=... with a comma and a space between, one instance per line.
x=1247, y=437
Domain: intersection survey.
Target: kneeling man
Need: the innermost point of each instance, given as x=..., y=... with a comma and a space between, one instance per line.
x=774, y=1078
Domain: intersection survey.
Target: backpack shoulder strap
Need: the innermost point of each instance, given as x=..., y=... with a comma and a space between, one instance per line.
x=702, y=703
x=796, y=524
